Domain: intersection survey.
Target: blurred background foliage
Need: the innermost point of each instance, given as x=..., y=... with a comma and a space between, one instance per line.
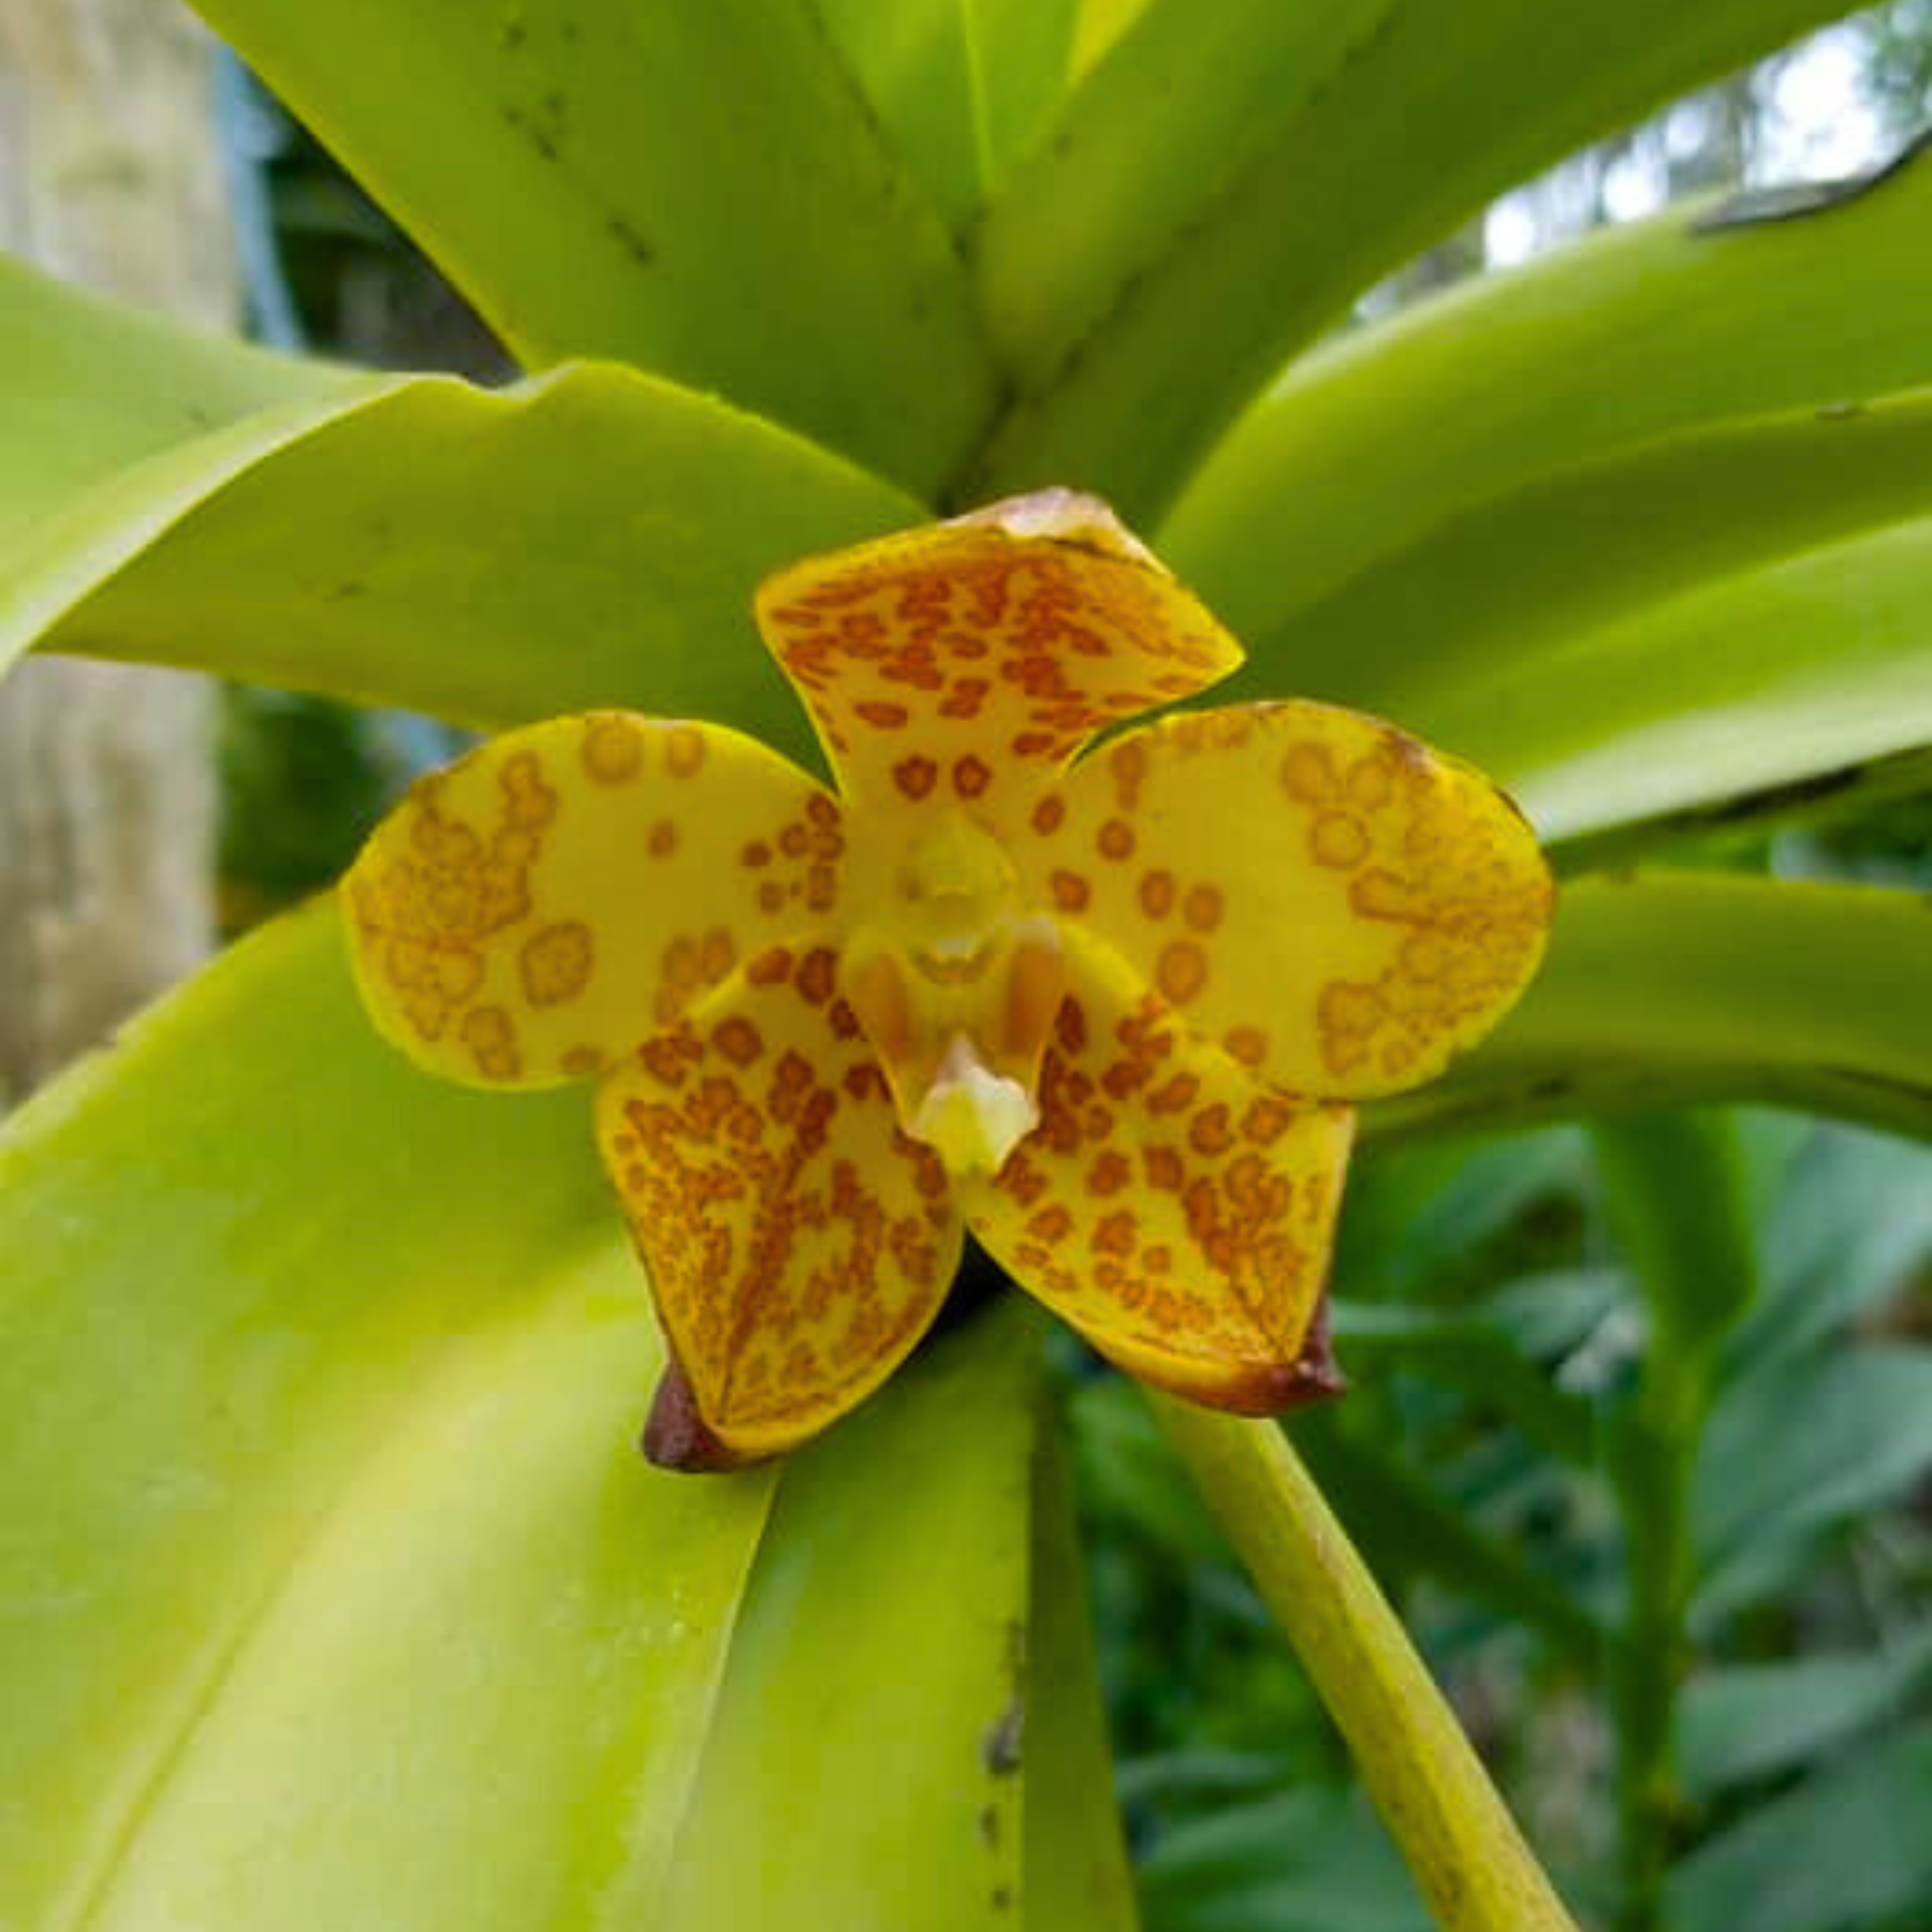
x=1642, y=1429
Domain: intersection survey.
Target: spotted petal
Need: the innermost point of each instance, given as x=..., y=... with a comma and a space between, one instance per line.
x=1170, y=1208
x=531, y=913
x=798, y=1243
x=1340, y=907
x=968, y=660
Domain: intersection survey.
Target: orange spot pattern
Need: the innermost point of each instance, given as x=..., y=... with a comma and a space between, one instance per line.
x=997, y=654
x=1322, y=905
x=1468, y=914
x=425, y=916
x=1177, y=1214
x=1394, y=906
x=798, y=1243
x=518, y=918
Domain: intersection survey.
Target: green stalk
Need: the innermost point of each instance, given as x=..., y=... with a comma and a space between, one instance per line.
x=1468, y=1858
x=1649, y=1459
x=1675, y=1202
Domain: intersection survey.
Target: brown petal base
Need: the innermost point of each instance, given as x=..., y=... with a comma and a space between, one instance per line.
x=676, y=1436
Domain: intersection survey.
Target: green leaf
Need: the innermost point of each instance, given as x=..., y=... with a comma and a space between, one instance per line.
x=1754, y=1720
x=864, y=1764
x=695, y=186
x=1406, y=1526
x=331, y=1570
x=916, y=64
x=1657, y=356
x=1125, y=1466
x=592, y=537
x=1795, y=1452
x=317, y=1496
x=1078, y=1878
x=1472, y=1352
x=1846, y=1852
x=1851, y=1223
x=1100, y=24
x=1023, y=51
x=1668, y=987
x=1710, y=626
x=959, y=85
x=1309, y=1861
x=93, y=388
x=1673, y=1196
x=1497, y=588
x=1187, y=97
x=1802, y=685
x=1404, y=124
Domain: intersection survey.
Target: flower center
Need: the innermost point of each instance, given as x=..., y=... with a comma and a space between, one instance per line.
x=957, y=988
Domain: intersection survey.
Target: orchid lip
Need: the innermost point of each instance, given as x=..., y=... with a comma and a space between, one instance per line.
x=972, y=1116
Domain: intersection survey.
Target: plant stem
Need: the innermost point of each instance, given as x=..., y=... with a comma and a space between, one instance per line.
x=1675, y=1203
x=1468, y=1858
x=1649, y=1463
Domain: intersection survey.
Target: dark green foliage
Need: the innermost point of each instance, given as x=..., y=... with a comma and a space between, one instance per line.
x=1761, y=1646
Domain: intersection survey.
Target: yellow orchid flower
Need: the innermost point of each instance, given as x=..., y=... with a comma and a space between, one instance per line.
x=1108, y=1012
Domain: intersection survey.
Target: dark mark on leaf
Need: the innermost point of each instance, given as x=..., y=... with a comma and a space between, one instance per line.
x=989, y=1824
x=627, y=238
x=1000, y=1748
x=519, y=122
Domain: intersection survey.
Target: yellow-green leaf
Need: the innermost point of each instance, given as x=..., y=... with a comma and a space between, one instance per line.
x=694, y=186
x=1404, y=125
x=865, y=1764
x=317, y=1495
x=332, y=1571
x=593, y=537
x=1676, y=986
x=1078, y=1878
x=960, y=86
x=1668, y=376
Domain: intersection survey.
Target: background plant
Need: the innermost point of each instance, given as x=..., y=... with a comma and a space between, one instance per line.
x=1647, y=564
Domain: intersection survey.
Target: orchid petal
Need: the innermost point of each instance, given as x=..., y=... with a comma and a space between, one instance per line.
x=1174, y=1212
x=526, y=916
x=1340, y=907
x=964, y=663
x=799, y=1244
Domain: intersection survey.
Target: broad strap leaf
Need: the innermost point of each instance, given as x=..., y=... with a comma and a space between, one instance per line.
x=1584, y=403
x=321, y=1379
x=1403, y=124
x=694, y=187
x=869, y=1755
x=405, y=540
x=1666, y=987
x=960, y=86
